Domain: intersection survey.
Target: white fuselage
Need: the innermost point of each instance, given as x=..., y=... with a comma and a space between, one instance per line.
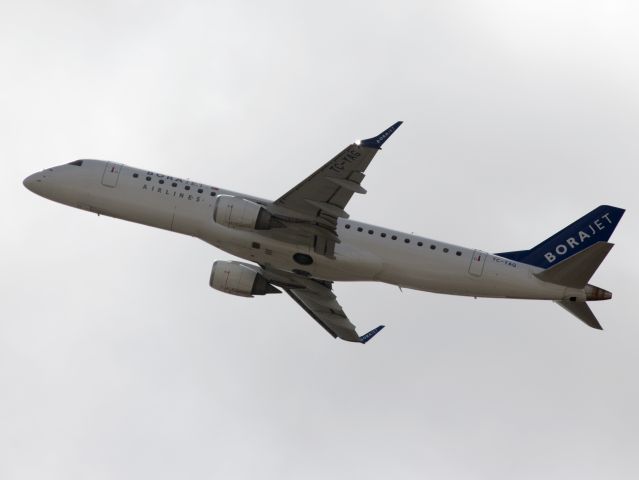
x=366, y=252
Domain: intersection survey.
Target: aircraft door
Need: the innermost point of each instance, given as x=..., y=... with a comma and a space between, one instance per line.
x=111, y=174
x=477, y=263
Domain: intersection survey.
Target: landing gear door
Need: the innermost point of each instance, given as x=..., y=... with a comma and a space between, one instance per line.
x=477, y=263
x=111, y=174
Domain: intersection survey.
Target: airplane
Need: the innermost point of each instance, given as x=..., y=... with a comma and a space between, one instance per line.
x=304, y=241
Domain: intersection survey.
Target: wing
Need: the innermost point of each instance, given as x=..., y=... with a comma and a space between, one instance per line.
x=318, y=300
x=313, y=206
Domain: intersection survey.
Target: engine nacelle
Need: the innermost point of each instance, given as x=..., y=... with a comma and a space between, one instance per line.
x=240, y=279
x=237, y=212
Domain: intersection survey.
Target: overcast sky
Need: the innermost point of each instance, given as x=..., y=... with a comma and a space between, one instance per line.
x=118, y=361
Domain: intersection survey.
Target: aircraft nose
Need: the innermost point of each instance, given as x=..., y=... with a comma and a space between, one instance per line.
x=32, y=181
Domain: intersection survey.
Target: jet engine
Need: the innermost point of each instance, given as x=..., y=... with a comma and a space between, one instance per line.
x=240, y=279
x=240, y=213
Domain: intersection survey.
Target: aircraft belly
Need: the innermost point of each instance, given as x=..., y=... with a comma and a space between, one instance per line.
x=428, y=276
x=349, y=264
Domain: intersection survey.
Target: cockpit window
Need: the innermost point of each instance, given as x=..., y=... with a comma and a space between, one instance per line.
x=77, y=163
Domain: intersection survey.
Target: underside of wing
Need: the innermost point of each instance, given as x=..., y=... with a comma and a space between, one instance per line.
x=327, y=312
x=318, y=300
x=311, y=209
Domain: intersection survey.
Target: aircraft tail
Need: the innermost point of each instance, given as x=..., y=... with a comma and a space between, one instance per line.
x=571, y=256
x=594, y=227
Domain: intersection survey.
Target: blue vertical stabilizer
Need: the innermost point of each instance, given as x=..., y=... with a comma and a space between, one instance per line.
x=596, y=226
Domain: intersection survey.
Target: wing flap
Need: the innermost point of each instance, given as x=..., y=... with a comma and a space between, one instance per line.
x=347, y=184
x=332, y=210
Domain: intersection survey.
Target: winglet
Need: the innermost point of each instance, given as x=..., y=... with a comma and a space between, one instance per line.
x=378, y=141
x=367, y=336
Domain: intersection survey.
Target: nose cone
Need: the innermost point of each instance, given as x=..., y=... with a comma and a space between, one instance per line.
x=32, y=181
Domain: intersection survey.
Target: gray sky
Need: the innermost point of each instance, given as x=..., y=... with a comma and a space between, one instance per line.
x=117, y=360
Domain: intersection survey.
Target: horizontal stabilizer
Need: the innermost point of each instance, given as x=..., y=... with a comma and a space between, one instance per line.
x=367, y=336
x=582, y=311
x=575, y=271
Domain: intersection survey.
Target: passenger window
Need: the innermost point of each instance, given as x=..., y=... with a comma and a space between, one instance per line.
x=212, y=194
x=394, y=237
x=174, y=184
x=432, y=247
x=199, y=190
x=148, y=179
x=445, y=250
x=419, y=244
x=161, y=182
x=135, y=175
x=186, y=187
x=370, y=232
x=383, y=235
x=347, y=226
x=458, y=253
x=407, y=240
x=360, y=229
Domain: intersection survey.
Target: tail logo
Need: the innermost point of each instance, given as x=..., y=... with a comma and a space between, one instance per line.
x=570, y=243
